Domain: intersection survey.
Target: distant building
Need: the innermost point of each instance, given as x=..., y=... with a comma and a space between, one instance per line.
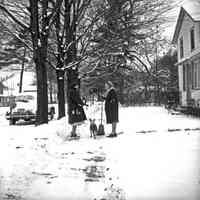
x=9, y=84
x=4, y=100
x=187, y=39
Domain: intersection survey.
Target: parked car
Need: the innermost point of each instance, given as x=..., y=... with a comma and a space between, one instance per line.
x=23, y=107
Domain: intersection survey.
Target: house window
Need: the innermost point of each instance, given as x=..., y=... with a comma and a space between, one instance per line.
x=198, y=72
x=184, y=77
x=195, y=72
x=196, y=75
x=181, y=47
x=192, y=40
x=193, y=75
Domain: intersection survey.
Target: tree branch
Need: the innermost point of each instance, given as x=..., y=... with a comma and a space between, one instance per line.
x=13, y=17
x=16, y=36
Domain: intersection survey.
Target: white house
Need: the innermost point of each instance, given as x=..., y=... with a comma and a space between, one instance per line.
x=187, y=39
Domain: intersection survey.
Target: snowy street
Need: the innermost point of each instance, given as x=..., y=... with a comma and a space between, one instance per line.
x=100, y=100
x=156, y=157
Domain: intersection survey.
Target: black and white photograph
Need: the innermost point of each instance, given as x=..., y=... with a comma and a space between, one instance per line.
x=100, y=100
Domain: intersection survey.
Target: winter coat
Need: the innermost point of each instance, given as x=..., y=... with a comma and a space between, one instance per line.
x=111, y=107
x=76, y=112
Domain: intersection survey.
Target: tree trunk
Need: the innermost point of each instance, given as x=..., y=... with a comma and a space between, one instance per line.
x=42, y=97
x=39, y=55
x=121, y=91
x=59, y=70
x=51, y=91
x=22, y=71
x=61, y=93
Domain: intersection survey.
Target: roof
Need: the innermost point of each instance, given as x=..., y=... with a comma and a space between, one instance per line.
x=194, y=15
x=188, y=59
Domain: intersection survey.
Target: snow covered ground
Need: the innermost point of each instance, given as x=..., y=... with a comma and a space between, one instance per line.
x=157, y=157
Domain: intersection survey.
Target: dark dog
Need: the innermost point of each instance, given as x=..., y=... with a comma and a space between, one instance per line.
x=93, y=128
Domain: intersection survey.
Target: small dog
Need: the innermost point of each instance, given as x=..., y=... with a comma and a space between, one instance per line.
x=93, y=128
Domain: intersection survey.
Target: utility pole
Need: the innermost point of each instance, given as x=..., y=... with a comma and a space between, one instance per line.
x=22, y=71
x=157, y=93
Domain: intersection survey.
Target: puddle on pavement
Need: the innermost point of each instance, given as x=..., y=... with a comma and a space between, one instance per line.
x=19, y=147
x=91, y=176
x=114, y=192
x=94, y=173
x=9, y=196
x=148, y=131
x=42, y=174
x=96, y=159
x=41, y=138
x=173, y=130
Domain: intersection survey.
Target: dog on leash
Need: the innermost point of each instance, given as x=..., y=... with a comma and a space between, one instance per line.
x=93, y=128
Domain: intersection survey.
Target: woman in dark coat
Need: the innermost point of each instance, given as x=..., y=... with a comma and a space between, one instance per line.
x=75, y=109
x=111, y=107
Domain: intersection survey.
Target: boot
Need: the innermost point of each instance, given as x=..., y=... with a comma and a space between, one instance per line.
x=112, y=135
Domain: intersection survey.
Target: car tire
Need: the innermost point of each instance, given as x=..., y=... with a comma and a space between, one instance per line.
x=12, y=121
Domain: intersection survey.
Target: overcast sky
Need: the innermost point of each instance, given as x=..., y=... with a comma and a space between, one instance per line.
x=189, y=5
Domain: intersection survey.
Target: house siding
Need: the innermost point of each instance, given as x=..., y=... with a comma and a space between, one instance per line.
x=187, y=25
x=180, y=79
x=188, y=56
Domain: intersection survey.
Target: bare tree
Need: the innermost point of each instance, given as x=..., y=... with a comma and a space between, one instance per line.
x=120, y=33
x=65, y=40
x=97, y=38
x=22, y=71
x=42, y=16
x=55, y=35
